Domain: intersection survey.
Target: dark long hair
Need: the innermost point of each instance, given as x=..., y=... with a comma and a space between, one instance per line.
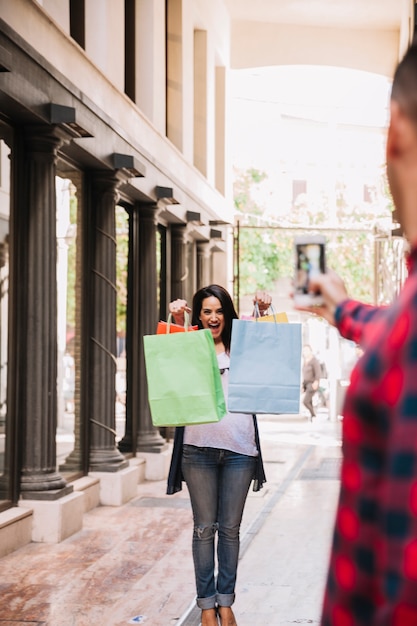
x=227, y=305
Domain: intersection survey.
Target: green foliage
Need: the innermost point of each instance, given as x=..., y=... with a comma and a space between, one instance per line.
x=351, y=255
x=266, y=250
x=243, y=187
x=122, y=251
x=265, y=256
x=72, y=259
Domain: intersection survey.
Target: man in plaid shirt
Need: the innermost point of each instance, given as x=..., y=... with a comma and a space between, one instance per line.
x=372, y=579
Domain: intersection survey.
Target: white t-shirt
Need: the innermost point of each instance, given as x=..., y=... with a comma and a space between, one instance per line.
x=234, y=432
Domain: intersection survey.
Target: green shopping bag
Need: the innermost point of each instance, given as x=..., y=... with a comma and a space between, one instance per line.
x=184, y=384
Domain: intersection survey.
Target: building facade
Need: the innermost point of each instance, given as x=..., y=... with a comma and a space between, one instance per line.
x=113, y=151
x=112, y=142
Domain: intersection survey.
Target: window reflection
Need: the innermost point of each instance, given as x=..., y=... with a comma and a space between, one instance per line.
x=5, y=155
x=122, y=247
x=68, y=423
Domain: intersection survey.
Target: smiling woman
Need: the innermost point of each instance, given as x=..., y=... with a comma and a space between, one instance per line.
x=218, y=462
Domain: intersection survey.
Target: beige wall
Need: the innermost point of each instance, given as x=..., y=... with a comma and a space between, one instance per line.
x=150, y=61
x=260, y=44
x=59, y=12
x=98, y=74
x=104, y=38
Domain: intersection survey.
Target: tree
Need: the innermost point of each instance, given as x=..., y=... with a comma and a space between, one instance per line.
x=266, y=246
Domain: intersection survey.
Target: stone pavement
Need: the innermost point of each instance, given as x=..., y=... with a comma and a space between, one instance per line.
x=133, y=564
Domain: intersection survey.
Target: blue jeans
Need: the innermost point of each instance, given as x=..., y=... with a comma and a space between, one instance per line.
x=218, y=482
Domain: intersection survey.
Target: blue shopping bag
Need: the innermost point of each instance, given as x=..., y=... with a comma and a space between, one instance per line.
x=265, y=368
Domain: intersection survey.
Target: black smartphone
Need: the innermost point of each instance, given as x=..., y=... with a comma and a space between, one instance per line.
x=310, y=260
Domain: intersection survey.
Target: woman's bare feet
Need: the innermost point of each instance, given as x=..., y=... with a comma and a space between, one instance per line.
x=209, y=617
x=227, y=617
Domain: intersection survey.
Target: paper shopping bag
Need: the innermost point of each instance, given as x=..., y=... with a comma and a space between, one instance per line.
x=168, y=327
x=280, y=317
x=164, y=328
x=265, y=368
x=184, y=384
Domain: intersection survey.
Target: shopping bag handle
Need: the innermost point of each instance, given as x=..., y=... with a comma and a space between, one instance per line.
x=186, y=322
x=258, y=313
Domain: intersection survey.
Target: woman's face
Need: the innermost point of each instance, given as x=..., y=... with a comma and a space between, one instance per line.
x=212, y=317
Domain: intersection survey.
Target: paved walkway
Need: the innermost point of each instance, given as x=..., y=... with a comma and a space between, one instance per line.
x=133, y=565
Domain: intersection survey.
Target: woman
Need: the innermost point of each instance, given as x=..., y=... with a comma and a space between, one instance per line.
x=218, y=462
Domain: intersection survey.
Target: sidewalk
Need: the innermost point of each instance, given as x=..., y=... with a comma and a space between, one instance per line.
x=133, y=564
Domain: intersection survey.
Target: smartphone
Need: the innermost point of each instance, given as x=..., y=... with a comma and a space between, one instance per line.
x=310, y=260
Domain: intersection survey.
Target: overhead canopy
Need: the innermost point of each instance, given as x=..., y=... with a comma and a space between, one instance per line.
x=368, y=36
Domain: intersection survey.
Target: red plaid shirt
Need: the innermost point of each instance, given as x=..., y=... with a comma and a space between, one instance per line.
x=372, y=578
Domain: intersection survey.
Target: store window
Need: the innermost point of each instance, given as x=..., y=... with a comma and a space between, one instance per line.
x=122, y=252
x=69, y=428
x=5, y=443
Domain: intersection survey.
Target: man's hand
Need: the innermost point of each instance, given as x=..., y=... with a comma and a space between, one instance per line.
x=333, y=291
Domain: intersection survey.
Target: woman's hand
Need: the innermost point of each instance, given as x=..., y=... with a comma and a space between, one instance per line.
x=263, y=300
x=178, y=308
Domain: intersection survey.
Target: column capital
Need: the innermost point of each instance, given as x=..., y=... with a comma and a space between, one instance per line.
x=179, y=233
x=45, y=139
x=147, y=212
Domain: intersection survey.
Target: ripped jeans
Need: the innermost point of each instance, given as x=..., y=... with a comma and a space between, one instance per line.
x=218, y=482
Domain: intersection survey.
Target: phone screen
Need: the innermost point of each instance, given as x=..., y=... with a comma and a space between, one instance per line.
x=310, y=261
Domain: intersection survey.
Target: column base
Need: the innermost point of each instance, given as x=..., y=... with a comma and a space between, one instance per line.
x=117, y=488
x=47, y=494
x=157, y=464
x=125, y=445
x=150, y=442
x=55, y=520
x=90, y=488
x=15, y=530
x=141, y=465
x=102, y=460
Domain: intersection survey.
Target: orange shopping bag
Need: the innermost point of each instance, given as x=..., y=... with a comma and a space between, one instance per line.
x=166, y=328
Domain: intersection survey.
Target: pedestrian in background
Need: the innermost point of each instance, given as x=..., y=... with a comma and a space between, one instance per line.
x=218, y=462
x=372, y=578
x=311, y=375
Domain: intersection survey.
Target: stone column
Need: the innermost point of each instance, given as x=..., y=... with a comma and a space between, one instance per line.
x=142, y=320
x=104, y=455
x=203, y=265
x=35, y=288
x=179, y=265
